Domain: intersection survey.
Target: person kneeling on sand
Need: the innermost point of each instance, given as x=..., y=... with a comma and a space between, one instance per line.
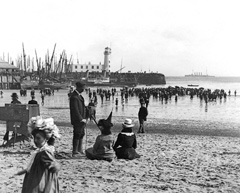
x=103, y=146
x=128, y=142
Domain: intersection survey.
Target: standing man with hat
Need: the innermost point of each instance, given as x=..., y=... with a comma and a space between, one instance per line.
x=78, y=114
x=15, y=99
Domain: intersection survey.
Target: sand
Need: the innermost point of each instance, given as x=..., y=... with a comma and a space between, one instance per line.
x=204, y=162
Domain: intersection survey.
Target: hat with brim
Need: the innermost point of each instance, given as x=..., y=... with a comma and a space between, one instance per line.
x=80, y=84
x=14, y=95
x=128, y=123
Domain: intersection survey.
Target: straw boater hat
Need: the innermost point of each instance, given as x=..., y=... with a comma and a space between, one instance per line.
x=127, y=123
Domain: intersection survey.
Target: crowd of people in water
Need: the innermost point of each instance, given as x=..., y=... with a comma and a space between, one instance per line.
x=144, y=93
x=163, y=94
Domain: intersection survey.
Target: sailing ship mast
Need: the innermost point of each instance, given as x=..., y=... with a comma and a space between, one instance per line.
x=24, y=60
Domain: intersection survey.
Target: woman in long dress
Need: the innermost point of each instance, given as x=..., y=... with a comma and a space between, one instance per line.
x=103, y=146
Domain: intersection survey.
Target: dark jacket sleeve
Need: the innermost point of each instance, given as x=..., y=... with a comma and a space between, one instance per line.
x=146, y=112
x=134, y=142
x=75, y=109
x=118, y=142
x=143, y=113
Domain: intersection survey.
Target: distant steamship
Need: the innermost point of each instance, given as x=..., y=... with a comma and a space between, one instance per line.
x=199, y=75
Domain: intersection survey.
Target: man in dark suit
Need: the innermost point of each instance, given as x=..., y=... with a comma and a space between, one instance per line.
x=78, y=114
x=33, y=101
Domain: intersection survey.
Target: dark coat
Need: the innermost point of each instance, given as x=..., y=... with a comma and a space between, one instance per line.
x=128, y=143
x=32, y=102
x=142, y=113
x=15, y=101
x=78, y=111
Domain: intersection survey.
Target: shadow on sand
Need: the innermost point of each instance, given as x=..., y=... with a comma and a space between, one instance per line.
x=15, y=152
x=67, y=155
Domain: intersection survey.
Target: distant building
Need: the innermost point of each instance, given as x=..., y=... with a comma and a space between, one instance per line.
x=9, y=76
x=98, y=68
x=87, y=67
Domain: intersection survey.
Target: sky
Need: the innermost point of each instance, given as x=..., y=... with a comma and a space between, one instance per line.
x=173, y=37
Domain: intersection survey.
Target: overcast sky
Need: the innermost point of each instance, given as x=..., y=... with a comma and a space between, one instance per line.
x=174, y=37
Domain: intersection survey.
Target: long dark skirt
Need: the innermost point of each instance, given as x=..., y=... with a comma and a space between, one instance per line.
x=126, y=153
x=90, y=155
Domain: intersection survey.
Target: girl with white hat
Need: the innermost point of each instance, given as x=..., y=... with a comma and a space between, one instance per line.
x=127, y=142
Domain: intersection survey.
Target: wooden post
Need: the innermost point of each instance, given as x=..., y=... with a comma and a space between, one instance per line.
x=1, y=82
x=7, y=81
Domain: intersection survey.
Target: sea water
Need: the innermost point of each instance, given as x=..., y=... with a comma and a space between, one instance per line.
x=221, y=112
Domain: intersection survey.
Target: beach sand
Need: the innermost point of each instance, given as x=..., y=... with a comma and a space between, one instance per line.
x=204, y=162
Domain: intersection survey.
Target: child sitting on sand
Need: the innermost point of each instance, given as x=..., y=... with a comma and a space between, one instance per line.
x=41, y=174
x=103, y=146
x=127, y=140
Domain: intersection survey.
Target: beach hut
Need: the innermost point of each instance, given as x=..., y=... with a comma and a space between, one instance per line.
x=9, y=76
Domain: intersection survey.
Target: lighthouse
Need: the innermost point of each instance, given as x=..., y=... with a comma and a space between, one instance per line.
x=107, y=52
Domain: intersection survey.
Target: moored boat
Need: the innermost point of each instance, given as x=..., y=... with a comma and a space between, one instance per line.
x=53, y=85
x=29, y=84
x=35, y=84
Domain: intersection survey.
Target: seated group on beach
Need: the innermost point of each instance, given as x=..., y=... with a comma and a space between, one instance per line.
x=104, y=147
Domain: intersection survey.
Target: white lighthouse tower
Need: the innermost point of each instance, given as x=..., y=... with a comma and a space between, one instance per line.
x=107, y=52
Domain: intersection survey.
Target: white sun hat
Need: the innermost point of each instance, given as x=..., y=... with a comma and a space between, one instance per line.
x=127, y=123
